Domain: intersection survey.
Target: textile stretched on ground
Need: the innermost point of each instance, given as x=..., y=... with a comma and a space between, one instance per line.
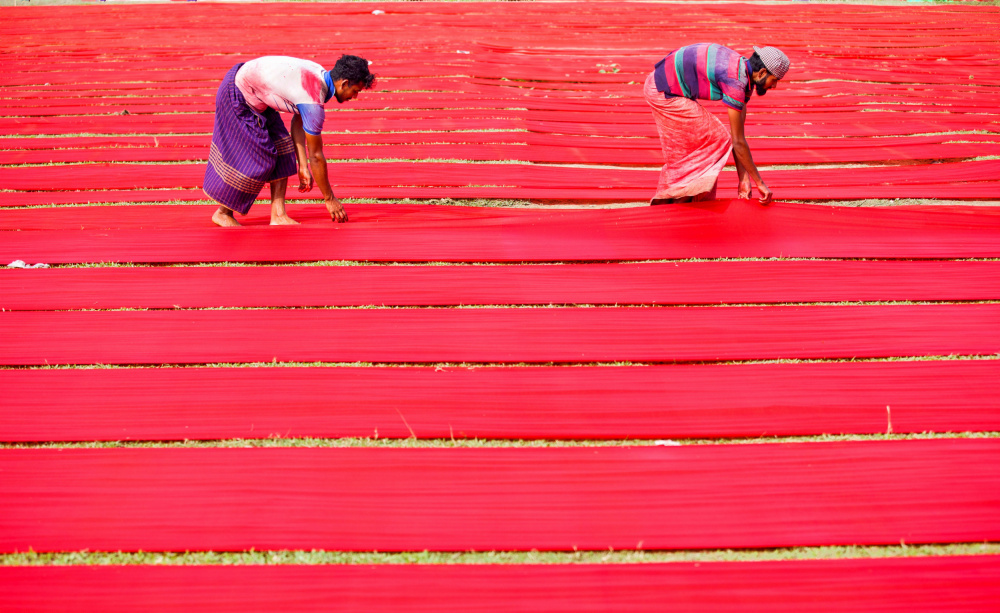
x=249, y=149
x=695, y=145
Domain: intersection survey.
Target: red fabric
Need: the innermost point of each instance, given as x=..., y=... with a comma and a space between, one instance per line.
x=695, y=145
x=399, y=215
x=850, y=123
x=701, y=496
x=642, y=402
x=498, y=335
x=544, y=92
x=156, y=124
x=559, y=149
x=457, y=180
x=432, y=105
x=652, y=283
x=910, y=585
x=720, y=229
x=584, y=80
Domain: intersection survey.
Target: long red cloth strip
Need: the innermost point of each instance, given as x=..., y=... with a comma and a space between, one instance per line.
x=389, y=174
x=676, y=401
x=838, y=93
x=421, y=92
x=575, y=67
x=202, y=141
x=818, y=125
x=622, y=284
x=716, y=229
x=385, y=214
x=710, y=496
x=884, y=124
x=805, y=104
x=498, y=335
x=912, y=585
x=791, y=188
x=968, y=179
x=765, y=151
x=402, y=215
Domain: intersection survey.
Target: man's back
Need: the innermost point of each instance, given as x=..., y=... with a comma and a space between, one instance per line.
x=705, y=71
x=281, y=83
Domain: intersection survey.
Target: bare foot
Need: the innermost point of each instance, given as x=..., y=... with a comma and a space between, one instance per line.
x=224, y=217
x=657, y=201
x=282, y=220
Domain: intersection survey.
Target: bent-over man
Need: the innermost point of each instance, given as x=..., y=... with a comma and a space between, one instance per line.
x=250, y=145
x=696, y=144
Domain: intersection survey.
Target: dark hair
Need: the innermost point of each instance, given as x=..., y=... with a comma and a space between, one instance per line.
x=756, y=63
x=355, y=70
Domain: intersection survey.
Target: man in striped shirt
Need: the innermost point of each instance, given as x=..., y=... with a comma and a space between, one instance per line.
x=695, y=144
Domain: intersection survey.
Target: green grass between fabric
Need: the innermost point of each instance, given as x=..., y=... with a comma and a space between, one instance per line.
x=317, y=557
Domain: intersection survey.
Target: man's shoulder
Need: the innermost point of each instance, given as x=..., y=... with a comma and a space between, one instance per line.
x=715, y=48
x=724, y=49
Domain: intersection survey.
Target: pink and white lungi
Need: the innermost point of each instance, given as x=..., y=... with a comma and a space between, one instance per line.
x=695, y=145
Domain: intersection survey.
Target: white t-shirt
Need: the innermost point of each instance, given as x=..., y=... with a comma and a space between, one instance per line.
x=287, y=85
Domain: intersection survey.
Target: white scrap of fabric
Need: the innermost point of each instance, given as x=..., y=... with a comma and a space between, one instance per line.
x=465, y=52
x=378, y=12
x=21, y=264
x=666, y=443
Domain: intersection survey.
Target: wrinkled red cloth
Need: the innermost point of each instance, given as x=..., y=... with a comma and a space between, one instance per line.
x=695, y=145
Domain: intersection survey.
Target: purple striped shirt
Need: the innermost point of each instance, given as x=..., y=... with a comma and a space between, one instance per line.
x=705, y=71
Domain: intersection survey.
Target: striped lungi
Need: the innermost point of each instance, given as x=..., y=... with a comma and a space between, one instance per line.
x=249, y=149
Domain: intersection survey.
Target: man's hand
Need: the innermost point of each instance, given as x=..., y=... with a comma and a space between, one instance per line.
x=746, y=187
x=765, y=193
x=336, y=209
x=305, y=178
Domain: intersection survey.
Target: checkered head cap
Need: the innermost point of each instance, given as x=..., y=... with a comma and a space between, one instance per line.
x=774, y=60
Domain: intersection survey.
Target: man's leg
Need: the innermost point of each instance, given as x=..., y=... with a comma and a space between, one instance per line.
x=706, y=196
x=278, y=215
x=224, y=217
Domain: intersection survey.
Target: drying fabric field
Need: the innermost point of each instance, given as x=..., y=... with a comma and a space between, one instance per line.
x=507, y=384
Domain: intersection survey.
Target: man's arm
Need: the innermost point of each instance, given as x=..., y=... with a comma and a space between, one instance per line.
x=317, y=162
x=745, y=188
x=744, y=161
x=299, y=138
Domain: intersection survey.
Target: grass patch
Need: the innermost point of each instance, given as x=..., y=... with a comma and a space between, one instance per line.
x=472, y=365
x=635, y=556
x=482, y=263
x=377, y=442
x=523, y=306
